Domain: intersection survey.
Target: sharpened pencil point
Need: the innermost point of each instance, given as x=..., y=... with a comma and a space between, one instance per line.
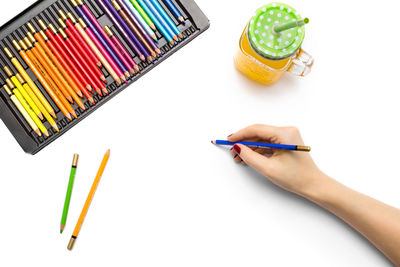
x=37, y=131
x=142, y=58
x=79, y=93
x=213, y=142
x=40, y=116
x=53, y=114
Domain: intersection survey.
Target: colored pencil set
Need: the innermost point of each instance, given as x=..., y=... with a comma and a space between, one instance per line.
x=69, y=58
x=88, y=199
x=62, y=59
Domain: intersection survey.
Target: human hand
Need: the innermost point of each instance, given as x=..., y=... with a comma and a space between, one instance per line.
x=292, y=170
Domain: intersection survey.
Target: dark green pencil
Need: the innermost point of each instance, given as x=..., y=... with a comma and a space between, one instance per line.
x=69, y=192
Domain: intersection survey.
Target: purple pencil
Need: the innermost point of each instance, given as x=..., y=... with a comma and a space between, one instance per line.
x=139, y=26
x=124, y=65
x=121, y=25
x=122, y=49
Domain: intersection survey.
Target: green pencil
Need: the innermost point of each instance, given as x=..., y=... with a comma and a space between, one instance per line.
x=143, y=14
x=69, y=192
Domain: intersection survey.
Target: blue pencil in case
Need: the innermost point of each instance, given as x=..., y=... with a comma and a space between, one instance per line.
x=164, y=14
x=160, y=18
x=158, y=24
x=174, y=10
x=264, y=145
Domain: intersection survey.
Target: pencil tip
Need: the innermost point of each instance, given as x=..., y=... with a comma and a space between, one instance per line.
x=40, y=116
x=108, y=152
x=213, y=142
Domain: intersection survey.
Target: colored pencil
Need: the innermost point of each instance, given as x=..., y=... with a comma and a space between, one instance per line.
x=91, y=21
x=160, y=18
x=57, y=40
x=264, y=145
x=43, y=78
x=39, y=95
x=88, y=200
x=21, y=97
x=166, y=17
x=69, y=192
x=90, y=65
x=174, y=10
x=55, y=69
x=47, y=65
x=164, y=31
x=122, y=26
x=105, y=48
x=141, y=42
x=52, y=79
x=27, y=97
x=122, y=49
x=143, y=14
x=137, y=15
x=85, y=31
x=21, y=110
x=71, y=23
x=61, y=65
x=76, y=56
x=144, y=37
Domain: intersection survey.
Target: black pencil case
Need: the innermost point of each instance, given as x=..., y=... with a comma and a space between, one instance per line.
x=195, y=23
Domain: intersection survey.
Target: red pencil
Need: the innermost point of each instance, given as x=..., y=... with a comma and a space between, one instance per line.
x=71, y=22
x=58, y=42
x=90, y=63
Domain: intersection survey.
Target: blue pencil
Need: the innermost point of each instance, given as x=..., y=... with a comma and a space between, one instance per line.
x=264, y=145
x=164, y=29
x=175, y=11
x=167, y=18
x=141, y=20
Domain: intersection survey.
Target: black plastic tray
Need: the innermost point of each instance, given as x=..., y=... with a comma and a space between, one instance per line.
x=196, y=23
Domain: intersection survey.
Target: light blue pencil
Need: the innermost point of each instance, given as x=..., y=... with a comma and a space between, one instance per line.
x=160, y=19
x=156, y=22
x=167, y=18
x=141, y=20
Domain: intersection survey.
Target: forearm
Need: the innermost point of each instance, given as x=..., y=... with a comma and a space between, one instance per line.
x=378, y=222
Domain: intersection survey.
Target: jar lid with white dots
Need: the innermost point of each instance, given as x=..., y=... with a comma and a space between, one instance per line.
x=266, y=40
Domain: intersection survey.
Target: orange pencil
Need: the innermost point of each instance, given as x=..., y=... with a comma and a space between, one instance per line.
x=41, y=38
x=88, y=200
x=54, y=71
x=42, y=64
x=44, y=61
x=34, y=65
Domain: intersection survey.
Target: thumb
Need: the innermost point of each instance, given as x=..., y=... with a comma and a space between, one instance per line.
x=252, y=158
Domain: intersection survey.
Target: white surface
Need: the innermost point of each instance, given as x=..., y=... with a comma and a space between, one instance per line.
x=170, y=198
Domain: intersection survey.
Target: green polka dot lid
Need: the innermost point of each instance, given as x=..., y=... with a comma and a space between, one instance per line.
x=276, y=31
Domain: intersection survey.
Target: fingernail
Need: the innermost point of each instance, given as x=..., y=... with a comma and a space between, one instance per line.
x=230, y=135
x=237, y=149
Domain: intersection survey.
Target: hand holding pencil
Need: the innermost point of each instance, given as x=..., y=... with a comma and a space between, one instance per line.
x=293, y=171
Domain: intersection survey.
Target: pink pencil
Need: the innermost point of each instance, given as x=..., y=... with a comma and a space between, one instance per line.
x=102, y=50
x=123, y=50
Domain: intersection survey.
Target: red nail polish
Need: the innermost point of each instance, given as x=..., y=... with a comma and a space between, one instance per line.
x=230, y=135
x=237, y=149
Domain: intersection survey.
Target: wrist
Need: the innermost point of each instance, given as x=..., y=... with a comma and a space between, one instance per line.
x=319, y=189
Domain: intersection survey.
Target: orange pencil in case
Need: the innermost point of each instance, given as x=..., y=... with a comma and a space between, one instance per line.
x=42, y=39
x=271, y=45
x=50, y=77
x=54, y=72
x=39, y=72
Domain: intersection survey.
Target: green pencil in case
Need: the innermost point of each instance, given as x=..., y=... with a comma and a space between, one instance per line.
x=69, y=192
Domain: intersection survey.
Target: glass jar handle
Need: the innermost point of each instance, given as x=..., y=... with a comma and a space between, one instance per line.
x=301, y=64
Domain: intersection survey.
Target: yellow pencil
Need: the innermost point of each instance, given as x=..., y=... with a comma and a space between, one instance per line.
x=32, y=85
x=33, y=96
x=22, y=90
x=26, y=106
x=88, y=200
x=23, y=112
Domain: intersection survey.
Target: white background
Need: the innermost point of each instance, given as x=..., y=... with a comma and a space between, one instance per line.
x=170, y=198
